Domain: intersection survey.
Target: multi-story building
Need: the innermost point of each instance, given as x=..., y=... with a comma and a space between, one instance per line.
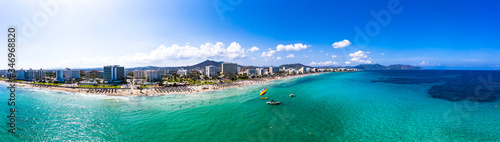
x=67, y=73
x=33, y=75
x=210, y=71
x=139, y=74
x=274, y=70
x=229, y=68
x=113, y=73
x=20, y=74
x=260, y=71
x=182, y=72
x=154, y=75
x=100, y=74
x=75, y=74
x=60, y=75
x=251, y=71
x=3, y=73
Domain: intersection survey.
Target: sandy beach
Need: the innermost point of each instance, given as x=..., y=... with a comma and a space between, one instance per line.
x=155, y=90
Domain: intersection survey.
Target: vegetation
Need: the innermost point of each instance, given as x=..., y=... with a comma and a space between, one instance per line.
x=146, y=86
x=99, y=86
x=205, y=83
x=53, y=84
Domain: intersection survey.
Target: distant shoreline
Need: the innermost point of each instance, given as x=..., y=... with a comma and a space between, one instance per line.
x=152, y=91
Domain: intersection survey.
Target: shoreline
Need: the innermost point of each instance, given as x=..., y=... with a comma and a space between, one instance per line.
x=157, y=91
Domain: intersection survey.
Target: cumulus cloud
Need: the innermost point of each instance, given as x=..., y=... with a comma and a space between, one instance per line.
x=235, y=51
x=162, y=53
x=278, y=58
x=253, y=49
x=347, y=62
x=290, y=56
x=268, y=54
x=423, y=63
x=341, y=44
x=296, y=47
x=360, y=57
x=326, y=63
x=334, y=56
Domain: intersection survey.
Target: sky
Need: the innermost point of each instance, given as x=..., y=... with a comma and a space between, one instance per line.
x=93, y=33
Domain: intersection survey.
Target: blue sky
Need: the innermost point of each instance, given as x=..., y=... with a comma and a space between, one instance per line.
x=92, y=33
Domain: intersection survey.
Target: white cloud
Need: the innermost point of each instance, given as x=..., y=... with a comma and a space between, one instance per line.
x=326, y=54
x=296, y=47
x=290, y=56
x=278, y=58
x=326, y=63
x=321, y=51
x=347, y=62
x=360, y=57
x=423, y=63
x=235, y=51
x=268, y=54
x=253, y=49
x=382, y=53
x=160, y=55
x=341, y=44
x=334, y=56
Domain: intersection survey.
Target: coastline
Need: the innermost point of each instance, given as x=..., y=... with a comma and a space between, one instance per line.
x=157, y=91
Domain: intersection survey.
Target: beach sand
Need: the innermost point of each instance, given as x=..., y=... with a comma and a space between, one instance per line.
x=156, y=91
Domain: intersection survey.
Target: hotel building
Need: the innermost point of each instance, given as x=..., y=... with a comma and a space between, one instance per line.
x=229, y=68
x=210, y=71
x=113, y=73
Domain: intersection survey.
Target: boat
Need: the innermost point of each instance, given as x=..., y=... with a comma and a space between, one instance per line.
x=272, y=103
x=262, y=93
x=291, y=95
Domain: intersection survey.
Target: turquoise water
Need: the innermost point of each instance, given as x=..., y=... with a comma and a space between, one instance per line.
x=327, y=107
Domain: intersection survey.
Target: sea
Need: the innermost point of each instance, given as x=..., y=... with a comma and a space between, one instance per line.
x=424, y=105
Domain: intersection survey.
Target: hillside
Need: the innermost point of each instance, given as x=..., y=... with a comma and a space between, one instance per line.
x=296, y=65
x=390, y=67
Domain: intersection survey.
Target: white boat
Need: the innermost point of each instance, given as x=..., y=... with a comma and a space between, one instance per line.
x=273, y=103
x=291, y=95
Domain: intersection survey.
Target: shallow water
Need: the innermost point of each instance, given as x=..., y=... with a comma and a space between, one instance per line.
x=327, y=107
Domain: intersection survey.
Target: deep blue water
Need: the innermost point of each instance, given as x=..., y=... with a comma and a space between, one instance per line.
x=452, y=85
